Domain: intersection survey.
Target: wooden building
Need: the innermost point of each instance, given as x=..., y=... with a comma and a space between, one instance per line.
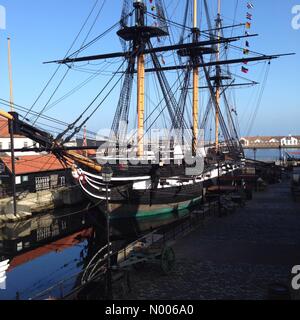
x=33, y=173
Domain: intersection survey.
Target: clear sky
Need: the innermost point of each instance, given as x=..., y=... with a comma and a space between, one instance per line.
x=44, y=30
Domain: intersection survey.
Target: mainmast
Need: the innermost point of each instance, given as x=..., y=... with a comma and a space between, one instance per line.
x=196, y=33
x=218, y=76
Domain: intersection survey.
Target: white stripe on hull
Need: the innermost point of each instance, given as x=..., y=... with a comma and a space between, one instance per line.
x=145, y=182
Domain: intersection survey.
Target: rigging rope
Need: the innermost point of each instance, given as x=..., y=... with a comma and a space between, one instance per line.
x=77, y=129
x=67, y=72
x=71, y=126
x=58, y=68
x=120, y=122
x=259, y=99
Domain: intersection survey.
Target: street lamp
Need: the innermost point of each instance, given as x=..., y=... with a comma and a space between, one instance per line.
x=219, y=182
x=220, y=155
x=107, y=174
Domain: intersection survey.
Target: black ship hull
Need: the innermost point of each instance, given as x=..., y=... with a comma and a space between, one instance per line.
x=146, y=201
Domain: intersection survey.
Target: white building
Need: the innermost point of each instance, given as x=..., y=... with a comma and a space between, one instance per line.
x=269, y=140
x=290, y=141
x=19, y=141
x=244, y=141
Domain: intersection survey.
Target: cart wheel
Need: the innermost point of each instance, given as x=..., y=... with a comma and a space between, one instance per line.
x=167, y=259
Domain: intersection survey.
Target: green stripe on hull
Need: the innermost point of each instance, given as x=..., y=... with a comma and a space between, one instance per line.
x=144, y=214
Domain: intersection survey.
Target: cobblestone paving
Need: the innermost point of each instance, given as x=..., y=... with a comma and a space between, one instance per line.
x=234, y=257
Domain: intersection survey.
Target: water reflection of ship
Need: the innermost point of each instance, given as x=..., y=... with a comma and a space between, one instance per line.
x=25, y=242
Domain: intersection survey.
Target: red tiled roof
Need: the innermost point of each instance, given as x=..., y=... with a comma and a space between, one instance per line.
x=4, y=132
x=34, y=164
x=56, y=246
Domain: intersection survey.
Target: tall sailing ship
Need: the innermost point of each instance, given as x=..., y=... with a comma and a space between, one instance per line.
x=158, y=174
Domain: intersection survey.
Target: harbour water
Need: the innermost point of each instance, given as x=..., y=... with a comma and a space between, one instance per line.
x=47, y=254
x=47, y=249
x=271, y=154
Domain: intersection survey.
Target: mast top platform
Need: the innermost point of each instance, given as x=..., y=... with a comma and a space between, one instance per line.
x=141, y=32
x=218, y=78
x=196, y=51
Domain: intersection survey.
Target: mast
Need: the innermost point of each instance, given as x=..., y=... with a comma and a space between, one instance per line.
x=10, y=78
x=196, y=33
x=218, y=77
x=141, y=102
x=140, y=22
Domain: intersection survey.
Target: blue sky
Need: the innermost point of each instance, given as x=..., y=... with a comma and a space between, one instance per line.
x=44, y=30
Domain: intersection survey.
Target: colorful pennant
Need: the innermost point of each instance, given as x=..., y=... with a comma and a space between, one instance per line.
x=250, y=5
x=244, y=70
x=249, y=16
x=246, y=51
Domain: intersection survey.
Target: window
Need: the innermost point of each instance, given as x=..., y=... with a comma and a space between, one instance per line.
x=62, y=181
x=9, y=145
x=54, y=180
x=42, y=183
x=19, y=246
x=1, y=145
x=25, y=179
x=18, y=180
x=27, y=245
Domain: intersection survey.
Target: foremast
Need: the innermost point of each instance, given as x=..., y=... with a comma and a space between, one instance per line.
x=139, y=35
x=196, y=33
x=140, y=22
x=218, y=77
